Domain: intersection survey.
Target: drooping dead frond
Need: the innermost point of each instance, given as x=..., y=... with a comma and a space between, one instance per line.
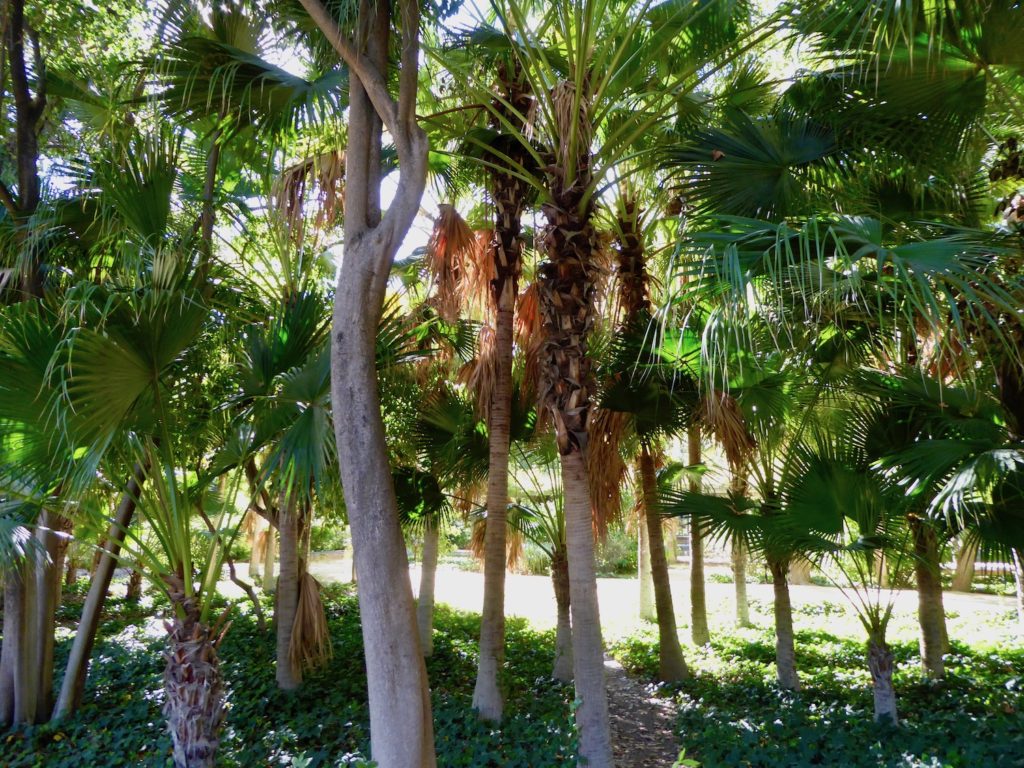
x=450, y=252
x=310, y=644
x=721, y=414
x=480, y=271
x=514, y=544
x=481, y=373
x=323, y=175
x=605, y=468
x=574, y=132
x=528, y=318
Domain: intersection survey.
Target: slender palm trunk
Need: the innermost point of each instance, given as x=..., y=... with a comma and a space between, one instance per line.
x=1018, y=580
x=425, y=598
x=588, y=652
x=964, y=574
x=739, y=575
x=698, y=598
x=671, y=665
x=880, y=663
x=289, y=675
x=193, y=689
x=563, y=629
x=12, y=653
x=648, y=611
x=255, y=551
x=52, y=537
x=785, y=655
x=73, y=685
x=930, y=612
x=269, y=555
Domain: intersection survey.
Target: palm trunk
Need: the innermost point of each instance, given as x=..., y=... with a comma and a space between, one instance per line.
x=134, y=591
x=799, y=571
x=73, y=684
x=193, y=689
x=671, y=665
x=1018, y=580
x=739, y=575
x=52, y=537
x=12, y=651
x=289, y=675
x=785, y=655
x=255, y=551
x=70, y=570
x=964, y=575
x=588, y=652
x=648, y=611
x=698, y=598
x=428, y=577
x=930, y=613
x=269, y=554
x=880, y=663
x=25, y=647
x=563, y=629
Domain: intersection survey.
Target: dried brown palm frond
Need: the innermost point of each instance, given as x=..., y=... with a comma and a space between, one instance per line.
x=515, y=544
x=480, y=271
x=250, y=523
x=450, y=252
x=574, y=129
x=260, y=543
x=605, y=468
x=721, y=415
x=322, y=174
x=481, y=376
x=528, y=323
x=310, y=644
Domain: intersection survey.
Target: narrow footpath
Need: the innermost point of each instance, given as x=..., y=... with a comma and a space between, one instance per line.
x=642, y=724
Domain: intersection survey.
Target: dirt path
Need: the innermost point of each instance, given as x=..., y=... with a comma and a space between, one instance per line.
x=642, y=725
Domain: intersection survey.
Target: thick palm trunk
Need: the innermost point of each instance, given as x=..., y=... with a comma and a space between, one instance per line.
x=963, y=577
x=671, y=665
x=785, y=655
x=930, y=612
x=193, y=688
x=698, y=597
x=563, y=629
x=286, y=600
x=588, y=652
x=739, y=575
x=880, y=663
x=12, y=652
x=648, y=611
x=425, y=598
x=53, y=541
x=73, y=685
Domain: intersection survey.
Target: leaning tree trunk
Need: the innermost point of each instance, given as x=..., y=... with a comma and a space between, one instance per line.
x=671, y=665
x=73, y=685
x=963, y=577
x=563, y=628
x=648, y=611
x=930, y=612
x=286, y=600
x=193, y=688
x=880, y=663
x=739, y=575
x=401, y=726
x=428, y=577
x=698, y=598
x=785, y=655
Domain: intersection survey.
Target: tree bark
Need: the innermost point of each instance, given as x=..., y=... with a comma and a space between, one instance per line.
x=700, y=633
x=930, y=612
x=52, y=536
x=401, y=727
x=563, y=629
x=647, y=609
x=255, y=550
x=269, y=555
x=739, y=575
x=671, y=664
x=425, y=598
x=880, y=663
x=588, y=652
x=286, y=601
x=73, y=684
x=1018, y=580
x=785, y=655
x=963, y=577
x=12, y=651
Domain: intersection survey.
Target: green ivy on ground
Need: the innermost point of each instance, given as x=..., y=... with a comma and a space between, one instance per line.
x=325, y=723
x=732, y=715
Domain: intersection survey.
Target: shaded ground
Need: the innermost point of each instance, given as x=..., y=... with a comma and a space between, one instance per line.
x=643, y=726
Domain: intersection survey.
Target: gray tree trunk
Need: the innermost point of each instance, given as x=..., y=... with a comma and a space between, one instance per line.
x=269, y=555
x=254, y=550
x=11, y=650
x=698, y=598
x=563, y=629
x=73, y=685
x=425, y=598
x=648, y=611
x=588, y=652
x=1018, y=580
x=785, y=654
x=671, y=664
x=930, y=612
x=963, y=577
x=286, y=601
x=739, y=575
x=880, y=663
x=52, y=536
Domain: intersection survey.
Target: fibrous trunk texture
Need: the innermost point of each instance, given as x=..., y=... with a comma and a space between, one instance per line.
x=563, y=629
x=698, y=598
x=930, y=612
x=785, y=655
x=425, y=598
x=671, y=665
x=286, y=599
x=73, y=685
x=963, y=577
x=739, y=575
x=880, y=662
x=506, y=252
x=194, y=691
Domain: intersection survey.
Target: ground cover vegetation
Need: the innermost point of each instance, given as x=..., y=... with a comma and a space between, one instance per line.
x=746, y=271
